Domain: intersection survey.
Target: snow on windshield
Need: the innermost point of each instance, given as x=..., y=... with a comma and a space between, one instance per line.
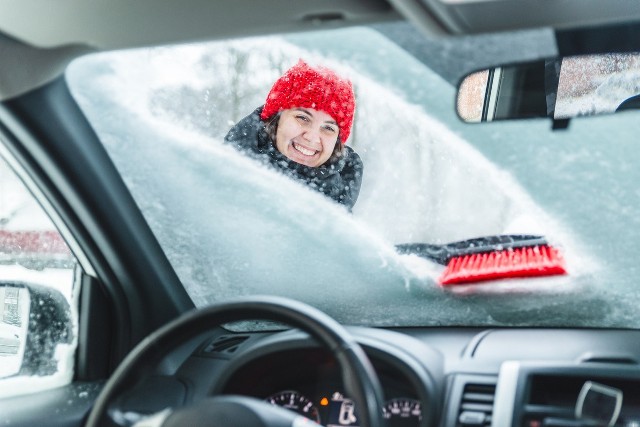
x=231, y=227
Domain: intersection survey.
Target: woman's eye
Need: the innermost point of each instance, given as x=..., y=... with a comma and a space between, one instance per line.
x=330, y=129
x=303, y=118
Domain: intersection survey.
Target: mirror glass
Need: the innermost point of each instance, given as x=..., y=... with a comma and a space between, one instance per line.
x=559, y=88
x=14, y=323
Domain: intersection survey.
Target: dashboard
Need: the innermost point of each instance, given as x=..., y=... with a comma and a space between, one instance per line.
x=439, y=377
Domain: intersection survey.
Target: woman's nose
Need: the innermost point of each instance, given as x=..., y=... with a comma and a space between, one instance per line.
x=312, y=135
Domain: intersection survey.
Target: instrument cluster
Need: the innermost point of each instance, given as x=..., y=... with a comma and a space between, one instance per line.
x=308, y=382
x=335, y=410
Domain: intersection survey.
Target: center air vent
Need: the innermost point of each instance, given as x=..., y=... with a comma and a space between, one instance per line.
x=476, y=405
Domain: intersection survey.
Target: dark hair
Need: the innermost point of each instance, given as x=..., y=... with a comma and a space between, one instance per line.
x=271, y=127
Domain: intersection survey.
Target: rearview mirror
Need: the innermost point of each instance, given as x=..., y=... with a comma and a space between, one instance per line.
x=559, y=88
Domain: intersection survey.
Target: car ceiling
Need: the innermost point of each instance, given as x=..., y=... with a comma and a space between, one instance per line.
x=107, y=24
x=47, y=35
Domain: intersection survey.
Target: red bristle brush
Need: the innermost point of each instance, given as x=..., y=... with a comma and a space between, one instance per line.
x=541, y=260
x=490, y=258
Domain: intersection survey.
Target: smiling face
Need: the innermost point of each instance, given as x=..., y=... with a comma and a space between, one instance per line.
x=307, y=136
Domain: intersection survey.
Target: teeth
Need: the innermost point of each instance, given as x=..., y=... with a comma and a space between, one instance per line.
x=304, y=150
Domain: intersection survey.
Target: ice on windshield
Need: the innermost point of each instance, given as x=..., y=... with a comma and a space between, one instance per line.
x=231, y=227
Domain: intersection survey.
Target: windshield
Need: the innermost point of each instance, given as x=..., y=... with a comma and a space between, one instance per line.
x=232, y=225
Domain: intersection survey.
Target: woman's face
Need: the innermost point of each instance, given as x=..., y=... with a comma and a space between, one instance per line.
x=306, y=136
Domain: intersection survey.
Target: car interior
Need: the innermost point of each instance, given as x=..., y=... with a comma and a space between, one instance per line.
x=143, y=353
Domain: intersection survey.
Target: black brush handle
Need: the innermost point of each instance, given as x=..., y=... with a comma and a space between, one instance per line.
x=442, y=254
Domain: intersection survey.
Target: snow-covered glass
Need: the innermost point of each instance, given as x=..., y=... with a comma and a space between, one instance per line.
x=231, y=226
x=597, y=84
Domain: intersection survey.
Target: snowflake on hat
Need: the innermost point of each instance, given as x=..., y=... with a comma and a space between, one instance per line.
x=319, y=88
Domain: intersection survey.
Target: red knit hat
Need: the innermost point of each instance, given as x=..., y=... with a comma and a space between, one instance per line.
x=318, y=88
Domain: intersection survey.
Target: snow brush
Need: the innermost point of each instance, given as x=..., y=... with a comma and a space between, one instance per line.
x=492, y=257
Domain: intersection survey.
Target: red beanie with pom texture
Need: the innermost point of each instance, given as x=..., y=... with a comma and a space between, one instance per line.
x=319, y=88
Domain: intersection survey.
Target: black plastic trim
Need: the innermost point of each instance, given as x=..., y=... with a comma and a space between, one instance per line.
x=95, y=331
x=602, y=372
x=611, y=38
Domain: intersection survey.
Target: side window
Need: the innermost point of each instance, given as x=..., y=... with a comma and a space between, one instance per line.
x=37, y=297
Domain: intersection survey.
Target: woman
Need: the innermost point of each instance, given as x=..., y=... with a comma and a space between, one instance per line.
x=302, y=129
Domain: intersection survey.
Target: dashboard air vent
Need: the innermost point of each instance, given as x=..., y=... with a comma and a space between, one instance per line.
x=476, y=405
x=224, y=345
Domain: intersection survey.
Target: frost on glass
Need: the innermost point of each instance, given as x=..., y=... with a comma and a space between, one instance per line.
x=232, y=227
x=471, y=96
x=37, y=315
x=596, y=84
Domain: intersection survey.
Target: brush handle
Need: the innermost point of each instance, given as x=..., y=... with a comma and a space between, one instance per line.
x=443, y=253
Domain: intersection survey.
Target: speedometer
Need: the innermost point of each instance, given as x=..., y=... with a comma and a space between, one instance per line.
x=296, y=402
x=402, y=412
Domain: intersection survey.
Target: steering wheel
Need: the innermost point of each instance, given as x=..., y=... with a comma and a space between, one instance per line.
x=360, y=380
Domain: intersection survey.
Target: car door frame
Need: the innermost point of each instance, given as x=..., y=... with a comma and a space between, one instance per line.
x=132, y=288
